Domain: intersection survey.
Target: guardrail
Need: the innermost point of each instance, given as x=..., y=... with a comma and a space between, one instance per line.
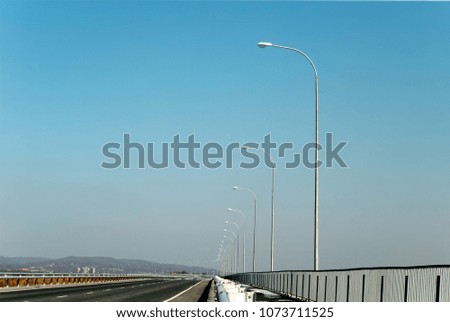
x=31, y=279
x=222, y=295
x=386, y=284
x=229, y=291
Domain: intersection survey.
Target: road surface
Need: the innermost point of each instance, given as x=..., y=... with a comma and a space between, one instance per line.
x=154, y=290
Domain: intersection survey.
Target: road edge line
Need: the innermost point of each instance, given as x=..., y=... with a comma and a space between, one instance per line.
x=174, y=297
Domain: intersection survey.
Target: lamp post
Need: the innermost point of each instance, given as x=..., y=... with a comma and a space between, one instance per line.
x=254, y=225
x=243, y=252
x=233, y=258
x=238, y=230
x=227, y=258
x=316, y=180
x=272, y=243
x=219, y=261
x=222, y=258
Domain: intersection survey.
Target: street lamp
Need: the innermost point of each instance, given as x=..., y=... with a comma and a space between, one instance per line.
x=221, y=257
x=224, y=258
x=272, y=243
x=232, y=260
x=254, y=223
x=243, y=252
x=238, y=229
x=316, y=181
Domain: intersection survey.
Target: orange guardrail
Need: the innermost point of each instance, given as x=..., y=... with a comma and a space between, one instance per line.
x=25, y=280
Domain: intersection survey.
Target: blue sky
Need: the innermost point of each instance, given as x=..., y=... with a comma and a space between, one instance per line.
x=76, y=75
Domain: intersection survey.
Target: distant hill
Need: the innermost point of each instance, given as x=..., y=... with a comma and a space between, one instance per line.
x=74, y=264
x=20, y=260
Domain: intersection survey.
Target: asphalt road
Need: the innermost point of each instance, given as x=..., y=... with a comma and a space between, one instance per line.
x=154, y=290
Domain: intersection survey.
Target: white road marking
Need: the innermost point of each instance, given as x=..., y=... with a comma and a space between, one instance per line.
x=89, y=293
x=174, y=297
x=62, y=296
x=108, y=290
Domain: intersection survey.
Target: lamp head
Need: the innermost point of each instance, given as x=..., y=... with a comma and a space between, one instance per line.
x=229, y=209
x=263, y=44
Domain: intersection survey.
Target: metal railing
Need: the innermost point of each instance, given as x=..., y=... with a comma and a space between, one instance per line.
x=385, y=284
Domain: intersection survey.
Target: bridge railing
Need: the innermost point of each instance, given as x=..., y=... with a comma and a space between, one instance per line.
x=41, y=279
x=386, y=284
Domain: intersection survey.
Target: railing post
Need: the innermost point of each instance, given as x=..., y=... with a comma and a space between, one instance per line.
x=291, y=284
x=336, y=289
x=363, y=286
x=309, y=288
x=348, y=287
x=438, y=287
x=406, y=288
x=317, y=288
